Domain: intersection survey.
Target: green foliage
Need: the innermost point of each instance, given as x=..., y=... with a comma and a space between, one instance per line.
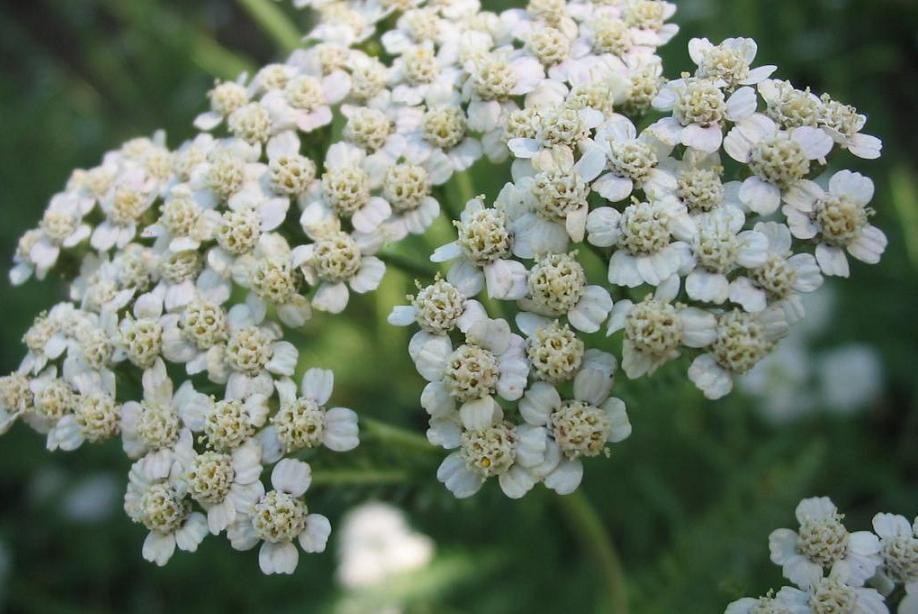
x=688, y=501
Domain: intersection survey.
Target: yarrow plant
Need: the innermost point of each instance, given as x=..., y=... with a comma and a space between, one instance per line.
x=834, y=570
x=707, y=204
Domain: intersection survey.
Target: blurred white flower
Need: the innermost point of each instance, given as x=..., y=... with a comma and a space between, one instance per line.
x=376, y=544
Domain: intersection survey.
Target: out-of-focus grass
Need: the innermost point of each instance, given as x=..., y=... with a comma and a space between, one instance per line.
x=689, y=499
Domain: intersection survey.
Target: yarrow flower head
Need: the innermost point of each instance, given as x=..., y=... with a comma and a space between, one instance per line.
x=203, y=271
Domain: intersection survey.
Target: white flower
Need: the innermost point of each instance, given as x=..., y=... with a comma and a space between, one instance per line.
x=561, y=133
x=781, y=279
x=699, y=183
x=778, y=159
x=15, y=399
x=549, y=209
x=253, y=353
x=438, y=308
x=832, y=594
x=337, y=260
x=230, y=167
x=481, y=255
x=579, y=427
x=492, y=361
x=439, y=132
x=789, y=107
x=554, y=350
x=279, y=518
x=345, y=192
x=376, y=544
x=823, y=543
x=304, y=103
x=720, y=246
x=838, y=218
x=155, y=428
x=123, y=206
x=159, y=502
x=742, y=340
x=513, y=454
x=843, y=123
x=899, y=549
x=183, y=223
x=225, y=484
x=632, y=162
x=225, y=97
x=61, y=227
x=730, y=61
x=302, y=421
x=558, y=287
x=850, y=377
x=656, y=329
x=652, y=240
x=419, y=71
x=701, y=111
x=269, y=271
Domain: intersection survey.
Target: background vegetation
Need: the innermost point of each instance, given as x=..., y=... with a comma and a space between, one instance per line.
x=688, y=500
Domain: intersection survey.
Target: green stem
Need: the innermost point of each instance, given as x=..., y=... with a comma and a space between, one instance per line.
x=358, y=477
x=594, y=538
x=397, y=436
x=274, y=22
x=408, y=265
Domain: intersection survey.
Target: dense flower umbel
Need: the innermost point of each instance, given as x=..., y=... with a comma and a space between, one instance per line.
x=205, y=261
x=836, y=571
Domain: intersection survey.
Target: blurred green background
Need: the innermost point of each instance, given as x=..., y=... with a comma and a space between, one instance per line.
x=688, y=500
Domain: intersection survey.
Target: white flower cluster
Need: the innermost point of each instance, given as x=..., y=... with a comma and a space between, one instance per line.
x=695, y=262
x=831, y=566
x=187, y=266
